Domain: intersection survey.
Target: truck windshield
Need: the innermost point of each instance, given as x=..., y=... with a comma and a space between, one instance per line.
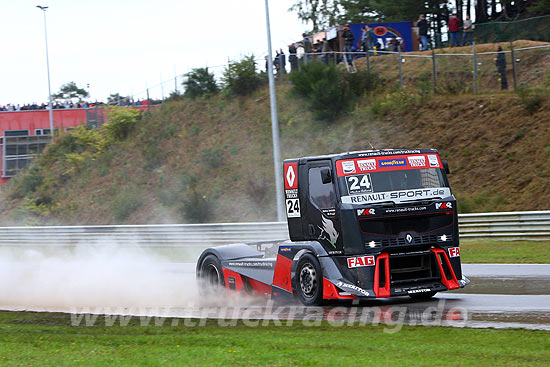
x=395, y=184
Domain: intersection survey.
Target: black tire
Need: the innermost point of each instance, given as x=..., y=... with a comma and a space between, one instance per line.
x=309, y=280
x=422, y=296
x=211, y=275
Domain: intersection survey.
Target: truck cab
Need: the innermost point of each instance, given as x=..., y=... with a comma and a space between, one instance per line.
x=387, y=218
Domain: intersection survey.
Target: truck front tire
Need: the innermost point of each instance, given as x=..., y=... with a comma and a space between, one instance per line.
x=309, y=280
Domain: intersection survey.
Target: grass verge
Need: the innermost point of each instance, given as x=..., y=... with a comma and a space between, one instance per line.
x=512, y=252
x=49, y=339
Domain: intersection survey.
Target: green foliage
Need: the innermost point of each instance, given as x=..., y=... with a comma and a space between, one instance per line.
x=26, y=183
x=127, y=201
x=396, y=101
x=200, y=83
x=121, y=121
x=531, y=99
x=328, y=90
x=240, y=77
x=69, y=91
x=213, y=157
x=482, y=202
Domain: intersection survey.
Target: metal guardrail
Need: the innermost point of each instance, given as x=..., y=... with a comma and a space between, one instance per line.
x=506, y=226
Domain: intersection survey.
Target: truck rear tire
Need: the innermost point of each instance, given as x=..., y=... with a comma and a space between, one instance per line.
x=211, y=275
x=309, y=280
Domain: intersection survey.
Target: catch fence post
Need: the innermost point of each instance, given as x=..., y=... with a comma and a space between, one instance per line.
x=434, y=68
x=514, y=66
x=400, y=70
x=368, y=60
x=475, y=66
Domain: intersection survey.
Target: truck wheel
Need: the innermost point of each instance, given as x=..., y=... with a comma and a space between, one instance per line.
x=309, y=280
x=211, y=274
x=422, y=296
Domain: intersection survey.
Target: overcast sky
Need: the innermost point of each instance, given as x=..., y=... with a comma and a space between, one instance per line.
x=126, y=46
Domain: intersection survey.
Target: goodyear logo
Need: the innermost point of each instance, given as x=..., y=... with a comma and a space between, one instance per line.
x=392, y=162
x=285, y=249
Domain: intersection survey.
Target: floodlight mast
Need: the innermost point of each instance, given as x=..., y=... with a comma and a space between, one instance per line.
x=44, y=8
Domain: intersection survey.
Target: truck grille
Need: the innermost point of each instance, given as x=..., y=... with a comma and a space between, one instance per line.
x=413, y=268
x=393, y=226
x=417, y=240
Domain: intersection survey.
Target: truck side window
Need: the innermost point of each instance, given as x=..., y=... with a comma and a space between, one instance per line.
x=320, y=194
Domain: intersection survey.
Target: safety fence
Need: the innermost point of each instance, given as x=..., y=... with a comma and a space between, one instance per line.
x=486, y=226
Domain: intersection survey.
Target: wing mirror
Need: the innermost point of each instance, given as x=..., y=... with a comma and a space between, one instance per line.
x=326, y=176
x=446, y=166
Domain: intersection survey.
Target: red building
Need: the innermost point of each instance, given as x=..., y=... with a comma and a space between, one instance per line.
x=24, y=134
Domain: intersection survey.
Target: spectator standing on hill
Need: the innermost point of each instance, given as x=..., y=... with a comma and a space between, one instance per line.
x=324, y=50
x=308, y=47
x=454, y=30
x=292, y=57
x=500, y=62
x=367, y=38
x=422, y=25
x=348, y=44
x=468, y=27
x=282, y=61
x=276, y=62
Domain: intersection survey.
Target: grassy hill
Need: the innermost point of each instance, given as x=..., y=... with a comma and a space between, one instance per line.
x=211, y=159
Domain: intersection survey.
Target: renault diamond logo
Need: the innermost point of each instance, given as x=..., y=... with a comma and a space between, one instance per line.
x=290, y=176
x=409, y=238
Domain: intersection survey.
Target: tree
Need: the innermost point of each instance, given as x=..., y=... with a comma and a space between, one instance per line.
x=321, y=13
x=116, y=98
x=200, y=82
x=240, y=77
x=70, y=91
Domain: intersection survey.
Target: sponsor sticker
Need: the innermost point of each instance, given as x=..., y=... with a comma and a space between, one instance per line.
x=285, y=249
x=348, y=167
x=417, y=161
x=360, y=261
x=447, y=205
x=291, y=180
x=392, y=162
x=397, y=196
x=293, y=208
x=454, y=252
x=421, y=290
x=366, y=164
x=343, y=285
x=362, y=212
x=432, y=158
x=291, y=194
x=359, y=184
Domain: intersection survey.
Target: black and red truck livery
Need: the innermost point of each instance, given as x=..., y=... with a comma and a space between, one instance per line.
x=362, y=225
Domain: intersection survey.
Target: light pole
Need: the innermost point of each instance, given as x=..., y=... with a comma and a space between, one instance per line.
x=43, y=8
x=274, y=122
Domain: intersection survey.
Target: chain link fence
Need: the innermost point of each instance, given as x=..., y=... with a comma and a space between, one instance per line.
x=535, y=29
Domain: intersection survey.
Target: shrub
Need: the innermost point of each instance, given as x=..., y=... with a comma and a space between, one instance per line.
x=328, y=90
x=28, y=183
x=213, y=157
x=121, y=121
x=200, y=82
x=531, y=99
x=126, y=203
x=195, y=207
x=240, y=77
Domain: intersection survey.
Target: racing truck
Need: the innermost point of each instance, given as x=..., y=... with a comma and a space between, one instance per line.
x=362, y=225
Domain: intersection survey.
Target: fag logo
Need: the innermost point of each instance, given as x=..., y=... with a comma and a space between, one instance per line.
x=366, y=165
x=417, y=161
x=291, y=181
x=447, y=205
x=357, y=262
x=454, y=252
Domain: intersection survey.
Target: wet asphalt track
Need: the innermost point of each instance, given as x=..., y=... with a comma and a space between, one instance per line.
x=499, y=296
